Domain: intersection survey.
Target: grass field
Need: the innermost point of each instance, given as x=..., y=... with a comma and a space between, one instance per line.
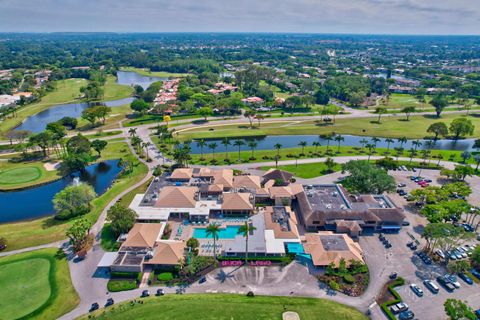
x=114, y=91
x=229, y=306
x=66, y=91
x=390, y=127
x=14, y=175
x=40, y=231
x=307, y=170
x=36, y=285
x=148, y=73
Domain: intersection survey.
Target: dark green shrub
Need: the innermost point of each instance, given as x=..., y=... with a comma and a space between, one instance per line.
x=165, y=276
x=121, y=285
x=348, y=278
x=124, y=275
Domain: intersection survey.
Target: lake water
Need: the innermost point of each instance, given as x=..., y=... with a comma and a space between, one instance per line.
x=268, y=143
x=39, y=121
x=37, y=202
x=133, y=78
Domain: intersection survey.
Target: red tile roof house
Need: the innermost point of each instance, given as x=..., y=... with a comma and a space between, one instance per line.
x=253, y=101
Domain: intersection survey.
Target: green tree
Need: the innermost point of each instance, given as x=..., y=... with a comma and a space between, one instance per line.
x=90, y=115
x=245, y=230
x=201, y=144
x=42, y=140
x=238, y=143
x=140, y=106
x=226, y=143
x=193, y=244
x=252, y=145
x=339, y=139
x=461, y=127
x=212, y=146
x=73, y=201
x=78, y=233
x=438, y=129
x=121, y=218
x=439, y=102
x=213, y=230
x=330, y=164
x=99, y=146
x=367, y=178
x=408, y=111
x=380, y=111
x=205, y=112
x=302, y=144
x=458, y=310
x=102, y=112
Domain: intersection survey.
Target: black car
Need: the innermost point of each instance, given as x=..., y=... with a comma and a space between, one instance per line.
x=465, y=278
x=446, y=284
x=406, y=315
x=160, y=292
x=94, y=307
x=393, y=275
x=202, y=279
x=405, y=223
x=145, y=293
x=109, y=302
x=475, y=273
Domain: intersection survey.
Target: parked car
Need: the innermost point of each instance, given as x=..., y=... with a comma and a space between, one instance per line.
x=94, y=307
x=453, y=280
x=401, y=185
x=440, y=253
x=109, y=302
x=418, y=291
x=393, y=275
x=431, y=286
x=446, y=284
x=406, y=315
x=145, y=293
x=475, y=273
x=202, y=279
x=477, y=313
x=468, y=227
x=405, y=223
x=399, y=307
x=160, y=292
x=465, y=278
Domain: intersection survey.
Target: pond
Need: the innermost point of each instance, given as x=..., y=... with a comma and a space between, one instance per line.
x=132, y=78
x=37, y=202
x=268, y=143
x=39, y=121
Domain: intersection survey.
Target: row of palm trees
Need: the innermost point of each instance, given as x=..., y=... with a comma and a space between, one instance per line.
x=138, y=143
x=213, y=230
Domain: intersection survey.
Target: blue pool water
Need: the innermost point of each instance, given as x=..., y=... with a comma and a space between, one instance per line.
x=229, y=232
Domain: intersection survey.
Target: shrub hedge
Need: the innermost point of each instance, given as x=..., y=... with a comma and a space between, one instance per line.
x=121, y=285
x=165, y=276
x=125, y=275
x=391, y=288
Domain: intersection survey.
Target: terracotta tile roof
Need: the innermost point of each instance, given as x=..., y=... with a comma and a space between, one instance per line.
x=168, y=253
x=215, y=188
x=249, y=182
x=237, y=201
x=182, y=174
x=286, y=191
x=224, y=176
x=177, y=197
x=326, y=247
x=279, y=232
x=274, y=174
x=143, y=235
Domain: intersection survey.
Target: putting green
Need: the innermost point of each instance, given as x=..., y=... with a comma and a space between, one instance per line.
x=20, y=175
x=24, y=286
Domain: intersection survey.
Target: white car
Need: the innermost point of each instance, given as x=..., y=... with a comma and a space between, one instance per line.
x=418, y=291
x=453, y=280
x=440, y=253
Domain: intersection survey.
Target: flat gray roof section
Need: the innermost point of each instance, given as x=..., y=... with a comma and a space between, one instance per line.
x=256, y=239
x=326, y=197
x=333, y=243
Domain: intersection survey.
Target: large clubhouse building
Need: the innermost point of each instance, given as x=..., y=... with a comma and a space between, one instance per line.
x=320, y=222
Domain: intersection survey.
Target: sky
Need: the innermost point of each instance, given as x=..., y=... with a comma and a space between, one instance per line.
x=302, y=16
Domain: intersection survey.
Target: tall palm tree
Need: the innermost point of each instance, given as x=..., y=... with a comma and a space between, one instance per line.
x=201, y=144
x=245, y=230
x=412, y=153
x=278, y=146
x=363, y=142
x=416, y=144
x=132, y=132
x=145, y=145
x=440, y=158
x=328, y=138
x=238, y=143
x=375, y=140
x=213, y=230
x=212, y=146
x=389, y=141
x=402, y=141
x=399, y=152
x=316, y=144
x=252, y=145
x=371, y=149
x=302, y=144
x=226, y=143
x=339, y=140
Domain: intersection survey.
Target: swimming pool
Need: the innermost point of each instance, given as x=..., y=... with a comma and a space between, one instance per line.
x=225, y=233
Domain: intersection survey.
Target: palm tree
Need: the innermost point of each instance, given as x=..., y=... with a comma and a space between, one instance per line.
x=201, y=144
x=213, y=230
x=259, y=117
x=238, y=143
x=339, y=140
x=252, y=145
x=212, y=146
x=375, y=140
x=371, y=149
x=278, y=146
x=302, y=144
x=145, y=145
x=440, y=158
x=416, y=144
x=245, y=230
x=402, y=140
x=363, y=142
x=388, y=141
x=316, y=144
x=132, y=132
x=412, y=153
x=399, y=152
x=226, y=143
x=328, y=138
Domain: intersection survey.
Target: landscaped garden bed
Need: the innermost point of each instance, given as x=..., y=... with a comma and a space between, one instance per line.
x=123, y=281
x=352, y=281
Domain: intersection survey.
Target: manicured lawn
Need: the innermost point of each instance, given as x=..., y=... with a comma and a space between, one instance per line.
x=15, y=175
x=66, y=91
x=46, y=230
x=36, y=285
x=148, y=73
x=391, y=127
x=400, y=100
x=229, y=306
x=114, y=91
x=307, y=170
